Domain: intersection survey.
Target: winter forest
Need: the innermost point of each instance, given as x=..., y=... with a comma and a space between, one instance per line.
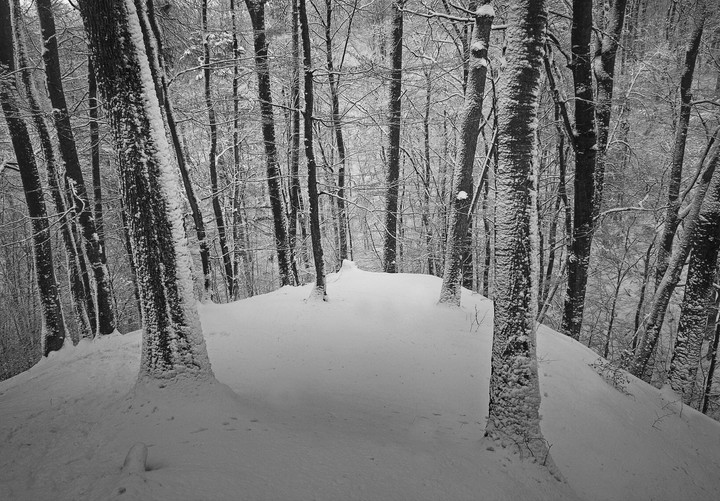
x=184, y=181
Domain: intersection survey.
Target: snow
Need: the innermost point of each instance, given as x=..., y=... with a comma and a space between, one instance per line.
x=379, y=394
x=485, y=11
x=462, y=195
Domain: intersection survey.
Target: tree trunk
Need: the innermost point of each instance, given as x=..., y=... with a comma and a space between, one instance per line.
x=212, y=157
x=695, y=303
x=427, y=209
x=585, y=144
x=393, y=151
x=53, y=330
x=256, y=8
x=77, y=289
x=658, y=308
x=320, y=286
x=153, y=44
x=173, y=344
x=462, y=193
x=678, y=154
x=514, y=389
x=712, y=355
x=604, y=69
x=296, y=211
x=334, y=82
x=73, y=172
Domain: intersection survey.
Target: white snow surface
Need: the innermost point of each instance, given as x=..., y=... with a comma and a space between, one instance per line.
x=379, y=394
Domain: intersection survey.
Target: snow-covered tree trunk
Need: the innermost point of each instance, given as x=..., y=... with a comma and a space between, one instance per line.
x=154, y=47
x=393, y=151
x=459, y=219
x=77, y=289
x=315, y=235
x=514, y=389
x=256, y=8
x=585, y=145
x=696, y=301
x=68, y=151
x=173, y=344
x=678, y=154
x=656, y=316
x=53, y=334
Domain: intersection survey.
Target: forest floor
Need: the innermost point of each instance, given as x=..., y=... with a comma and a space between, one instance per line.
x=378, y=394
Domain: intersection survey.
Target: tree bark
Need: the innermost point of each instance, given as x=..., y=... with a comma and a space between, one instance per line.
x=154, y=47
x=393, y=149
x=585, y=145
x=77, y=289
x=334, y=82
x=212, y=157
x=459, y=219
x=678, y=154
x=658, y=308
x=53, y=330
x=73, y=172
x=514, y=389
x=256, y=8
x=173, y=344
x=696, y=301
x=320, y=287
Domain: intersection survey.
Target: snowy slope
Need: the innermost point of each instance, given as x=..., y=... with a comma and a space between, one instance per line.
x=379, y=394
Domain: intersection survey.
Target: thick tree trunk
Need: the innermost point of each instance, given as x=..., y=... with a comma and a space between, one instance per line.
x=153, y=44
x=695, y=303
x=73, y=172
x=256, y=8
x=658, y=308
x=53, y=334
x=678, y=154
x=77, y=289
x=334, y=82
x=173, y=344
x=712, y=355
x=514, y=389
x=95, y=159
x=212, y=157
x=393, y=149
x=585, y=144
x=320, y=286
x=462, y=193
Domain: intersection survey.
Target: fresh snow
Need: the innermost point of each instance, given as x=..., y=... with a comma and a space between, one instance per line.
x=462, y=195
x=380, y=394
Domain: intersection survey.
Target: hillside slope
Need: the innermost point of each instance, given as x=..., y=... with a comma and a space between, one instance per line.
x=379, y=394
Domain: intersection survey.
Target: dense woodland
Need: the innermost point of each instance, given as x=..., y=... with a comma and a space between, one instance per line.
x=557, y=157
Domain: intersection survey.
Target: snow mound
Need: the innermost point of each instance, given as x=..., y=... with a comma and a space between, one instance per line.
x=379, y=394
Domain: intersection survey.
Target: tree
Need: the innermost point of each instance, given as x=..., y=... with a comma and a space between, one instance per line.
x=173, y=344
x=53, y=326
x=584, y=141
x=212, y=157
x=256, y=8
x=320, y=285
x=73, y=172
x=460, y=207
x=393, y=149
x=514, y=388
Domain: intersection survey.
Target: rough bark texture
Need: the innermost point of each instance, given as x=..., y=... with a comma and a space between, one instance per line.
x=212, y=157
x=173, y=344
x=678, y=153
x=53, y=334
x=73, y=173
x=315, y=235
x=256, y=8
x=653, y=323
x=462, y=191
x=154, y=46
x=514, y=389
x=296, y=211
x=77, y=289
x=696, y=301
x=585, y=145
x=393, y=150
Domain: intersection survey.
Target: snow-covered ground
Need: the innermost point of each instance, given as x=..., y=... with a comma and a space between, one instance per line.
x=379, y=394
